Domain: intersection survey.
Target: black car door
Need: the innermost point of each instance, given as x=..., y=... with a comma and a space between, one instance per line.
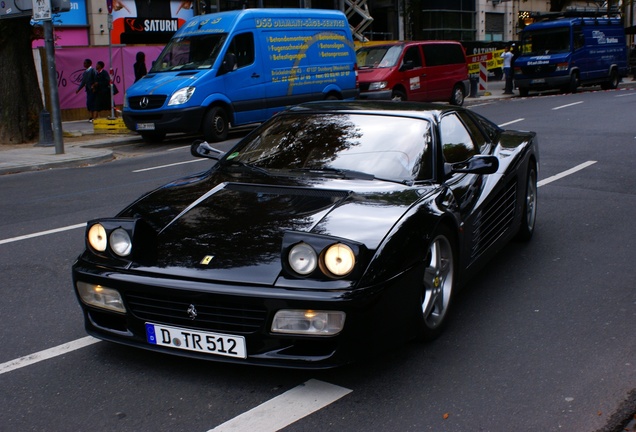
x=483, y=206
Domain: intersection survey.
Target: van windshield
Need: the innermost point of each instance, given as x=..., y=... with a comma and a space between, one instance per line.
x=379, y=56
x=186, y=53
x=545, y=41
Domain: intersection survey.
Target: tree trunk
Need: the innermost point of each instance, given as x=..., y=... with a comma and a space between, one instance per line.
x=20, y=96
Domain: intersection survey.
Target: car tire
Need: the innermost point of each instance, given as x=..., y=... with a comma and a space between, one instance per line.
x=153, y=137
x=398, y=95
x=458, y=96
x=523, y=91
x=529, y=210
x=574, y=84
x=437, y=285
x=613, y=81
x=215, y=124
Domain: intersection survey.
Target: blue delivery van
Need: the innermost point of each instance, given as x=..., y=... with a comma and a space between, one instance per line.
x=240, y=67
x=568, y=53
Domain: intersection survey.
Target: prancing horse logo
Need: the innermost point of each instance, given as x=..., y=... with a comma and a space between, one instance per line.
x=192, y=312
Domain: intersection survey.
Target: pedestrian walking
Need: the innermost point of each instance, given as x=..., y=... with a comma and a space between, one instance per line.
x=140, y=66
x=102, y=88
x=88, y=81
x=507, y=69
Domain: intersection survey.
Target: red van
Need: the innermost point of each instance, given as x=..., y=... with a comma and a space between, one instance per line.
x=424, y=71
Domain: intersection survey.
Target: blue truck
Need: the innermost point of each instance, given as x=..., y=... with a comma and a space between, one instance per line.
x=569, y=53
x=241, y=67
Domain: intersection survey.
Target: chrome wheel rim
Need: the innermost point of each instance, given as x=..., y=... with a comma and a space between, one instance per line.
x=531, y=200
x=438, y=282
x=459, y=96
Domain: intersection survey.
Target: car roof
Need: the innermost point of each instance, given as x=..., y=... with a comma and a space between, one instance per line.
x=428, y=111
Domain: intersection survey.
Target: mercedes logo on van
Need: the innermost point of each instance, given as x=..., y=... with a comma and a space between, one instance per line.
x=143, y=102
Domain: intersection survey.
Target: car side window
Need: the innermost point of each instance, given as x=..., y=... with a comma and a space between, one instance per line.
x=475, y=131
x=413, y=56
x=242, y=47
x=457, y=144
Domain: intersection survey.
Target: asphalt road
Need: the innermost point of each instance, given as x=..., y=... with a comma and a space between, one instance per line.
x=541, y=340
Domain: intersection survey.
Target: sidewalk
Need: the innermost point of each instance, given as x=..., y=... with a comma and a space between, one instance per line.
x=83, y=147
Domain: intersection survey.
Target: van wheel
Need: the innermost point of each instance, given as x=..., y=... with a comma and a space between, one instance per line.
x=398, y=95
x=152, y=137
x=215, y=125
x=332, y=96
x=612, y=83
x=457, y=97
x=523, y=91
x=574, y=83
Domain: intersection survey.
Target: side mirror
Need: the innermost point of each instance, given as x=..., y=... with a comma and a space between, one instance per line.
x=229, y=62
x=478, y=164
x=203, y=149
x=408, y=65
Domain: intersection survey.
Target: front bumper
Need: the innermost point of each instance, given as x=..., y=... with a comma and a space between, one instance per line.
x=376, y=95
x=543, y=83
x=248, y=311
x=184, y=120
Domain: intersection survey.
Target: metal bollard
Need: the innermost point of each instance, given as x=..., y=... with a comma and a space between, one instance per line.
x=46, y=130
x=474, y=85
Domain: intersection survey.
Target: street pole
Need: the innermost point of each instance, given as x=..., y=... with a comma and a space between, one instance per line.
x=110, y=56
x=53, y=90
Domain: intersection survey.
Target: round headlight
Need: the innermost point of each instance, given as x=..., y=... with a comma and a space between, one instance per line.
x=339, y=259
x=302, y=259
x=97, y=237
x=120, y=242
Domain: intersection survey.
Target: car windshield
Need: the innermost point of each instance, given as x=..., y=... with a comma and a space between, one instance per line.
x=381, y=56
x=545, y=41
x=386, y=147
x=186, y=53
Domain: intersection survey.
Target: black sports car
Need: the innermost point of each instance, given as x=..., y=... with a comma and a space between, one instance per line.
x=333, y=230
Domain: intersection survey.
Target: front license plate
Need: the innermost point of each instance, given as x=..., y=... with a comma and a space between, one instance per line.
x=193, y=340
x=538, y=81
x=145, y=126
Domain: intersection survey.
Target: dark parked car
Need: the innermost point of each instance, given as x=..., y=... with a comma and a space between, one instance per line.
x=334, y=230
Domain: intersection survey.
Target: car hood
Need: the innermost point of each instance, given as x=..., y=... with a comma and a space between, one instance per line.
x=163, y=83
x=374, y=74
x=239, y=225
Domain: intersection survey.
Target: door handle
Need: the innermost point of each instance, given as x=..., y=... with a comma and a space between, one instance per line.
x=255, y=75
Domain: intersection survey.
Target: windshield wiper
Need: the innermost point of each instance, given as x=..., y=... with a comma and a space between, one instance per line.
x=350, y=174
x=253, y=168
x=344, y=173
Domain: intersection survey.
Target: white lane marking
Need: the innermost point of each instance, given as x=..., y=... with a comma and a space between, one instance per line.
x=178, y=148
x=626, y=94
x=481, y=104
x=42, y=233
x=566, y=106
x=168, y=165
x=565, y=173
x=285, y=409
x=47, y=354
x=511, y=122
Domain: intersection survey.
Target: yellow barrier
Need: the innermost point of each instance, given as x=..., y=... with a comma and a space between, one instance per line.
x=109, y=126
x=493, y=61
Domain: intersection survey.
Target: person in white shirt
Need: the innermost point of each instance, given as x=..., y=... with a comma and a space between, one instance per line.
x=507, y=69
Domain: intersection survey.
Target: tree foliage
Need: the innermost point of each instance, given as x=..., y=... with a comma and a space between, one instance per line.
x=20, y=96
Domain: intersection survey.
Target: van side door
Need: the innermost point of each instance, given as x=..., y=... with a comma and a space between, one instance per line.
x=445, y=65
x=412, y=74
x=580, y=53
x=243, y=79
